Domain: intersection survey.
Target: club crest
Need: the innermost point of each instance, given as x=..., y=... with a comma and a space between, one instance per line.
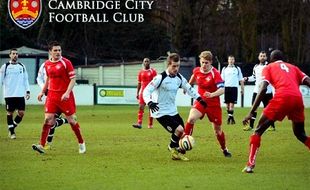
x=24, y=13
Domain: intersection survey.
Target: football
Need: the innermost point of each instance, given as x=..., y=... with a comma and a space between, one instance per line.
x=187, y=142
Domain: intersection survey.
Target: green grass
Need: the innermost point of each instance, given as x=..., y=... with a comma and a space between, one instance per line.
x=121, y=157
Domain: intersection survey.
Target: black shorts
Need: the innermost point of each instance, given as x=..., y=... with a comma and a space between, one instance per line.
x=265, y=100
x=231, y=95
x=170, y=123
x=14, y=103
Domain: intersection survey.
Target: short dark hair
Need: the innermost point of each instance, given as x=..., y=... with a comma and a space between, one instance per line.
x=173, y=57
x=52, y=44
x=13, y=49
x=276, y=55
x=263, y=52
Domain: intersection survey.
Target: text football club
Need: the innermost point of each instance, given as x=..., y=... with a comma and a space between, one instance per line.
x=24, y=13
x=93, y=11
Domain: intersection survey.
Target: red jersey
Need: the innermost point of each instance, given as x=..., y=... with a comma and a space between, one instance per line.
x=60, y=73
x=146, y=76
x=208, y=82
x=284, y=77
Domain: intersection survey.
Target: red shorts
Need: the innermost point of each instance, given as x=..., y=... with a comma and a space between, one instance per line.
x=214, y=113
x=54, y=104
x=279, y=107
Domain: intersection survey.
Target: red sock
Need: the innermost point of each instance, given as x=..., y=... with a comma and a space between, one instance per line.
x=188, y=129
x=76, y=129
x=307, y=142
x=254, y=146
x=221, y=139
x=45, y=130
x=140, y=116
x=150, y=120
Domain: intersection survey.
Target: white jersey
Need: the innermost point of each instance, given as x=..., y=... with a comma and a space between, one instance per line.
x=231, y=75
x=14, y=78
x=257, y=77
x=41, y=78
x=165, y=93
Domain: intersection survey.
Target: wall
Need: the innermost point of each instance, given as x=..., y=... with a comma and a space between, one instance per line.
x=84, y=95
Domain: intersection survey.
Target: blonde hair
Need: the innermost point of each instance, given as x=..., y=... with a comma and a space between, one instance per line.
x=206, y=55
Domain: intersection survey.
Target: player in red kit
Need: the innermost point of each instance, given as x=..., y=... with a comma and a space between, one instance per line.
x=145, y=76
x=287, y=101
x=210, y=87
x=60, y=99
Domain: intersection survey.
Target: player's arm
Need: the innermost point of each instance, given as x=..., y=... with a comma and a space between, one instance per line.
x=258, y=99
x=66, y=95
x=26, y=83
x=138, y=89
x=220, y=90
x=251, y=78
x=2, y=73
x=41, y=76
x=149, y=89
x=306, y=81
x=191, y=81
x=44, y=89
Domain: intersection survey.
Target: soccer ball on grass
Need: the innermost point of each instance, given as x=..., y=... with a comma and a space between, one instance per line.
x=187, y=142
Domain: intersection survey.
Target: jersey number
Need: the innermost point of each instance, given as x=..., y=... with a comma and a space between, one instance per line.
x=284, y=67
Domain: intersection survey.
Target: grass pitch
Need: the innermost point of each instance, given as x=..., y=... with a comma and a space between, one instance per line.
x=121, y=157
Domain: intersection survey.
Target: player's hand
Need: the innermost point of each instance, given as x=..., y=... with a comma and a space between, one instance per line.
x=202, y=102
x=208, y=95
x=247, y=119
x=40, y=95
x=153, y=106
x=65, y=97
x=137, y=96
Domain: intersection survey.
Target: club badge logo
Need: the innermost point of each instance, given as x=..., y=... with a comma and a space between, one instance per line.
x=25, y=13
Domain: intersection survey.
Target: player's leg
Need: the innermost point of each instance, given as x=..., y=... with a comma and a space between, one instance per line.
x=194, y=114
x=140, y=116
x=49, y=122
x=20, y=106
x=59, y=120
x=266, y=100
x=10, y=105
x=10, y=123
x=150, y=126
x=299, y=132
x=77, y=131
x=253, y=118
x=230, y=111
x=214, y=115
x=220, y=135
x=255, y=141
x=174, y=125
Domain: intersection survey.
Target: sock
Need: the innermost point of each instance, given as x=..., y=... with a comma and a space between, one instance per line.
x=307, y=142
x=230, y=113
x=17, y=120
x=272, y=125
x=9, y=119
x=140, y=116
x=174, y=141
x=254, y=147
x=59, y=122
x=45, y=130
x=252, y=120
x=51, y=134
x=221, y=140
x=77, y=132
x=188, y=129
x=150, y=120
